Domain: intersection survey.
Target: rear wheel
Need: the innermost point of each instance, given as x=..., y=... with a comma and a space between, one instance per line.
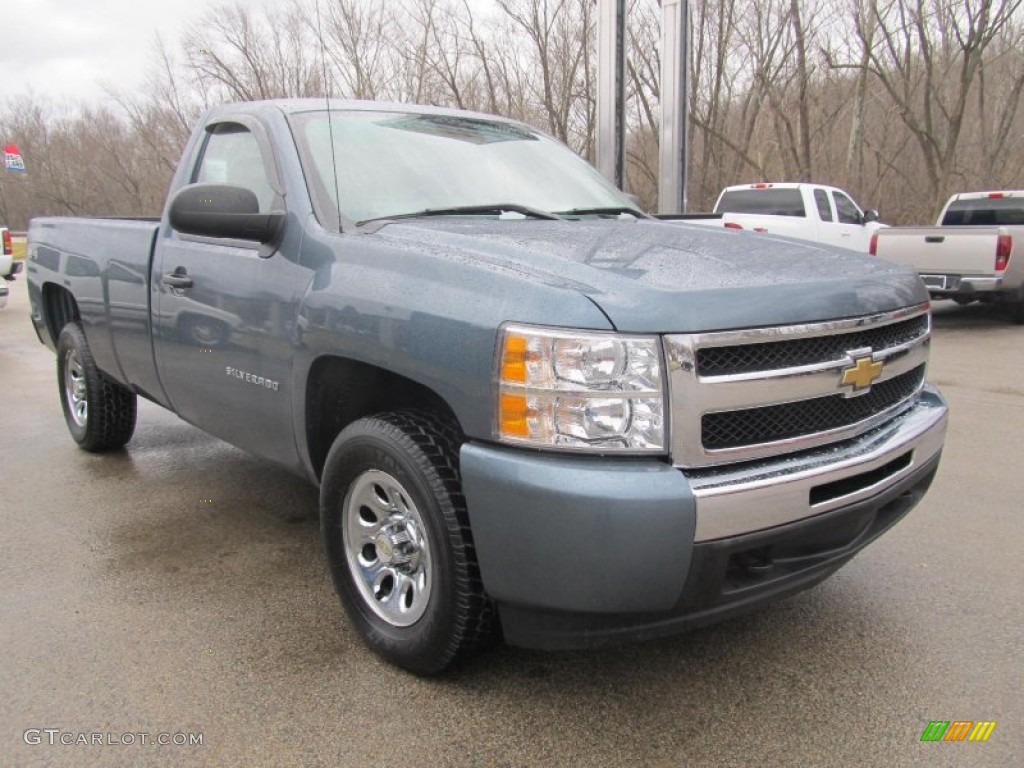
x=398, y=543
x=99, y=412
x=1017, y=309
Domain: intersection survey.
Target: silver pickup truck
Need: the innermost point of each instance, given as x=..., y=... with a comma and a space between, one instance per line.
x=969, y=255
x=529, y=407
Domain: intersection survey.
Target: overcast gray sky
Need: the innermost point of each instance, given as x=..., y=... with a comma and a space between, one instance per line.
x=71, y=48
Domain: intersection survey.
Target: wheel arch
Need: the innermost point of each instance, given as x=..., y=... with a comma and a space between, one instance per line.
x=59, y=309
x=340, y=390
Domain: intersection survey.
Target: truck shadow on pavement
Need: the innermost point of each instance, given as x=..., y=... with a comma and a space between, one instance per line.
x=947, y=314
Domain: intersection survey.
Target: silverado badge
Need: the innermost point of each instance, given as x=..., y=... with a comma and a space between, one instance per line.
x=862, y=373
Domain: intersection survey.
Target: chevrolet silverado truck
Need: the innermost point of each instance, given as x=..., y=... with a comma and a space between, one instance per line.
x=825, y=215
x=530, y=409
x=968, y=256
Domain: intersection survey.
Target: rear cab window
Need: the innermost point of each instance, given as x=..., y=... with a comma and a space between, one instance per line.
x=776, y=202
x=985, y=212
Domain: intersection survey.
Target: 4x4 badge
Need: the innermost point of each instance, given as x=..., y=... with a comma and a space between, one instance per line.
x=862, y=373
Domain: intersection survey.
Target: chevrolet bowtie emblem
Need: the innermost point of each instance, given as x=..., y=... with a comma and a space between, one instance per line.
x=862, y=373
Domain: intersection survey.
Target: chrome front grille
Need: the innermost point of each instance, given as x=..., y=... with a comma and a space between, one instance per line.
x=744, y=358
x=751, y=394
x=730, y=429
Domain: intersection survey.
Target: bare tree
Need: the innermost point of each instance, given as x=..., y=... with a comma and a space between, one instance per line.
x=900, y=101
x=926, y=55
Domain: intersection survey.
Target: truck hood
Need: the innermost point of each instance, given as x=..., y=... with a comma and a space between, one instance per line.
x=658, y=277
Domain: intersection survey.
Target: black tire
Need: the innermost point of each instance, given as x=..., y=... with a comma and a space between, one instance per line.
x=1017, y=311
x=99, y=412
x=419, y=451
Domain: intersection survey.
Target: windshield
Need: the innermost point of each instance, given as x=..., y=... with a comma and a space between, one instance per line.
x=391, y=163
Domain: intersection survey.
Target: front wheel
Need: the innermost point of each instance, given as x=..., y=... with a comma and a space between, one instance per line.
x=99, y=412
x=397, y=539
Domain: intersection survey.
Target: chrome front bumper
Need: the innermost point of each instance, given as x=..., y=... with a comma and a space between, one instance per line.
x=754, y=496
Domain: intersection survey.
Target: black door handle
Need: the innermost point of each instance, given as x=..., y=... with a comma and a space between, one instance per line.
x=934, y=239
x=177, y=279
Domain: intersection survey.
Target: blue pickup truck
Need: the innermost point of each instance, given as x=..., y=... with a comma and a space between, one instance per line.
x=532, y=411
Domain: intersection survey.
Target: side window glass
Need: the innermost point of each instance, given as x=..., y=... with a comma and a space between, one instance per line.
x=824, y=208
x=232, y=156
x=846, y=209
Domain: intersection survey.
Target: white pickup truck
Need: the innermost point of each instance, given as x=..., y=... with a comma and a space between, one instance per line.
x=805, y=211
x=967, y=256
x=8, y=266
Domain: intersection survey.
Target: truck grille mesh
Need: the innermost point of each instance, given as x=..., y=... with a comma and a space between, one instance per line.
x=730, y=429
x=767, y=356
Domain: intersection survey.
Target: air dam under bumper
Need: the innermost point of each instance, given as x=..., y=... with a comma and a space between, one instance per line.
x=584, y=552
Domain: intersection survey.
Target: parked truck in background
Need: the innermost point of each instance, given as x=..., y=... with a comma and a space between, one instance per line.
x=530, y=408
x=8, y=266
x=821, y=214
x=969, y=254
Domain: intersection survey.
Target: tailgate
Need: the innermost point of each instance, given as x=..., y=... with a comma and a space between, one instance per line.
x=941, y=250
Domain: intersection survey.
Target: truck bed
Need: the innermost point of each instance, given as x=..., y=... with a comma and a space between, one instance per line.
x=105, y=263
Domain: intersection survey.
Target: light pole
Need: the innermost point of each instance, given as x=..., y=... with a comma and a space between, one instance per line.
x=672, y=146
x=611, y=90
x=611, y=98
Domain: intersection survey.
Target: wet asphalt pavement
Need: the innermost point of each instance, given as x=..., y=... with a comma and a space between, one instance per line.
x=178, y=587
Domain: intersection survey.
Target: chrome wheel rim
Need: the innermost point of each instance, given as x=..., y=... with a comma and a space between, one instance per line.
x=386, y=548
x=74, y=389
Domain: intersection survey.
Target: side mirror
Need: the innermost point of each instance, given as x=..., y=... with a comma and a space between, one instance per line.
x=223, y=210
x=870, y=215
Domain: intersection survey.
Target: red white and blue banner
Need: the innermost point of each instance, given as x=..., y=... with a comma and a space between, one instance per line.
x=12, y=159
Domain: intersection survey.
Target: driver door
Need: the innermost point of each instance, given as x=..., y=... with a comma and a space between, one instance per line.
x=224, y=310
x=851, y=230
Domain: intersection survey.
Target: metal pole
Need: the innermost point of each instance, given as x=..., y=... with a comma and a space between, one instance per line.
x=674, y=106
x=611, y=90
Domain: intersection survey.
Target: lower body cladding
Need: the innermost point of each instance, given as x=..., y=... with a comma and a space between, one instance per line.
x=583, y=552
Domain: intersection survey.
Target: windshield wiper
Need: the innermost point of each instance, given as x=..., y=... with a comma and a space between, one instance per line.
x=471, y=210
x=612, y=211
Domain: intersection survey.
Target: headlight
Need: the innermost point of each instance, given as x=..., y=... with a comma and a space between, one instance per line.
x=580, y=390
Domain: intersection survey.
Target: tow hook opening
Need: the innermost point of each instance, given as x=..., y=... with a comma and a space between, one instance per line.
x=750, y=564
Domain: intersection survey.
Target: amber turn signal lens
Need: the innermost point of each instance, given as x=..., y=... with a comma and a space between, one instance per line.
x=513, y=359
x=513, y=415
